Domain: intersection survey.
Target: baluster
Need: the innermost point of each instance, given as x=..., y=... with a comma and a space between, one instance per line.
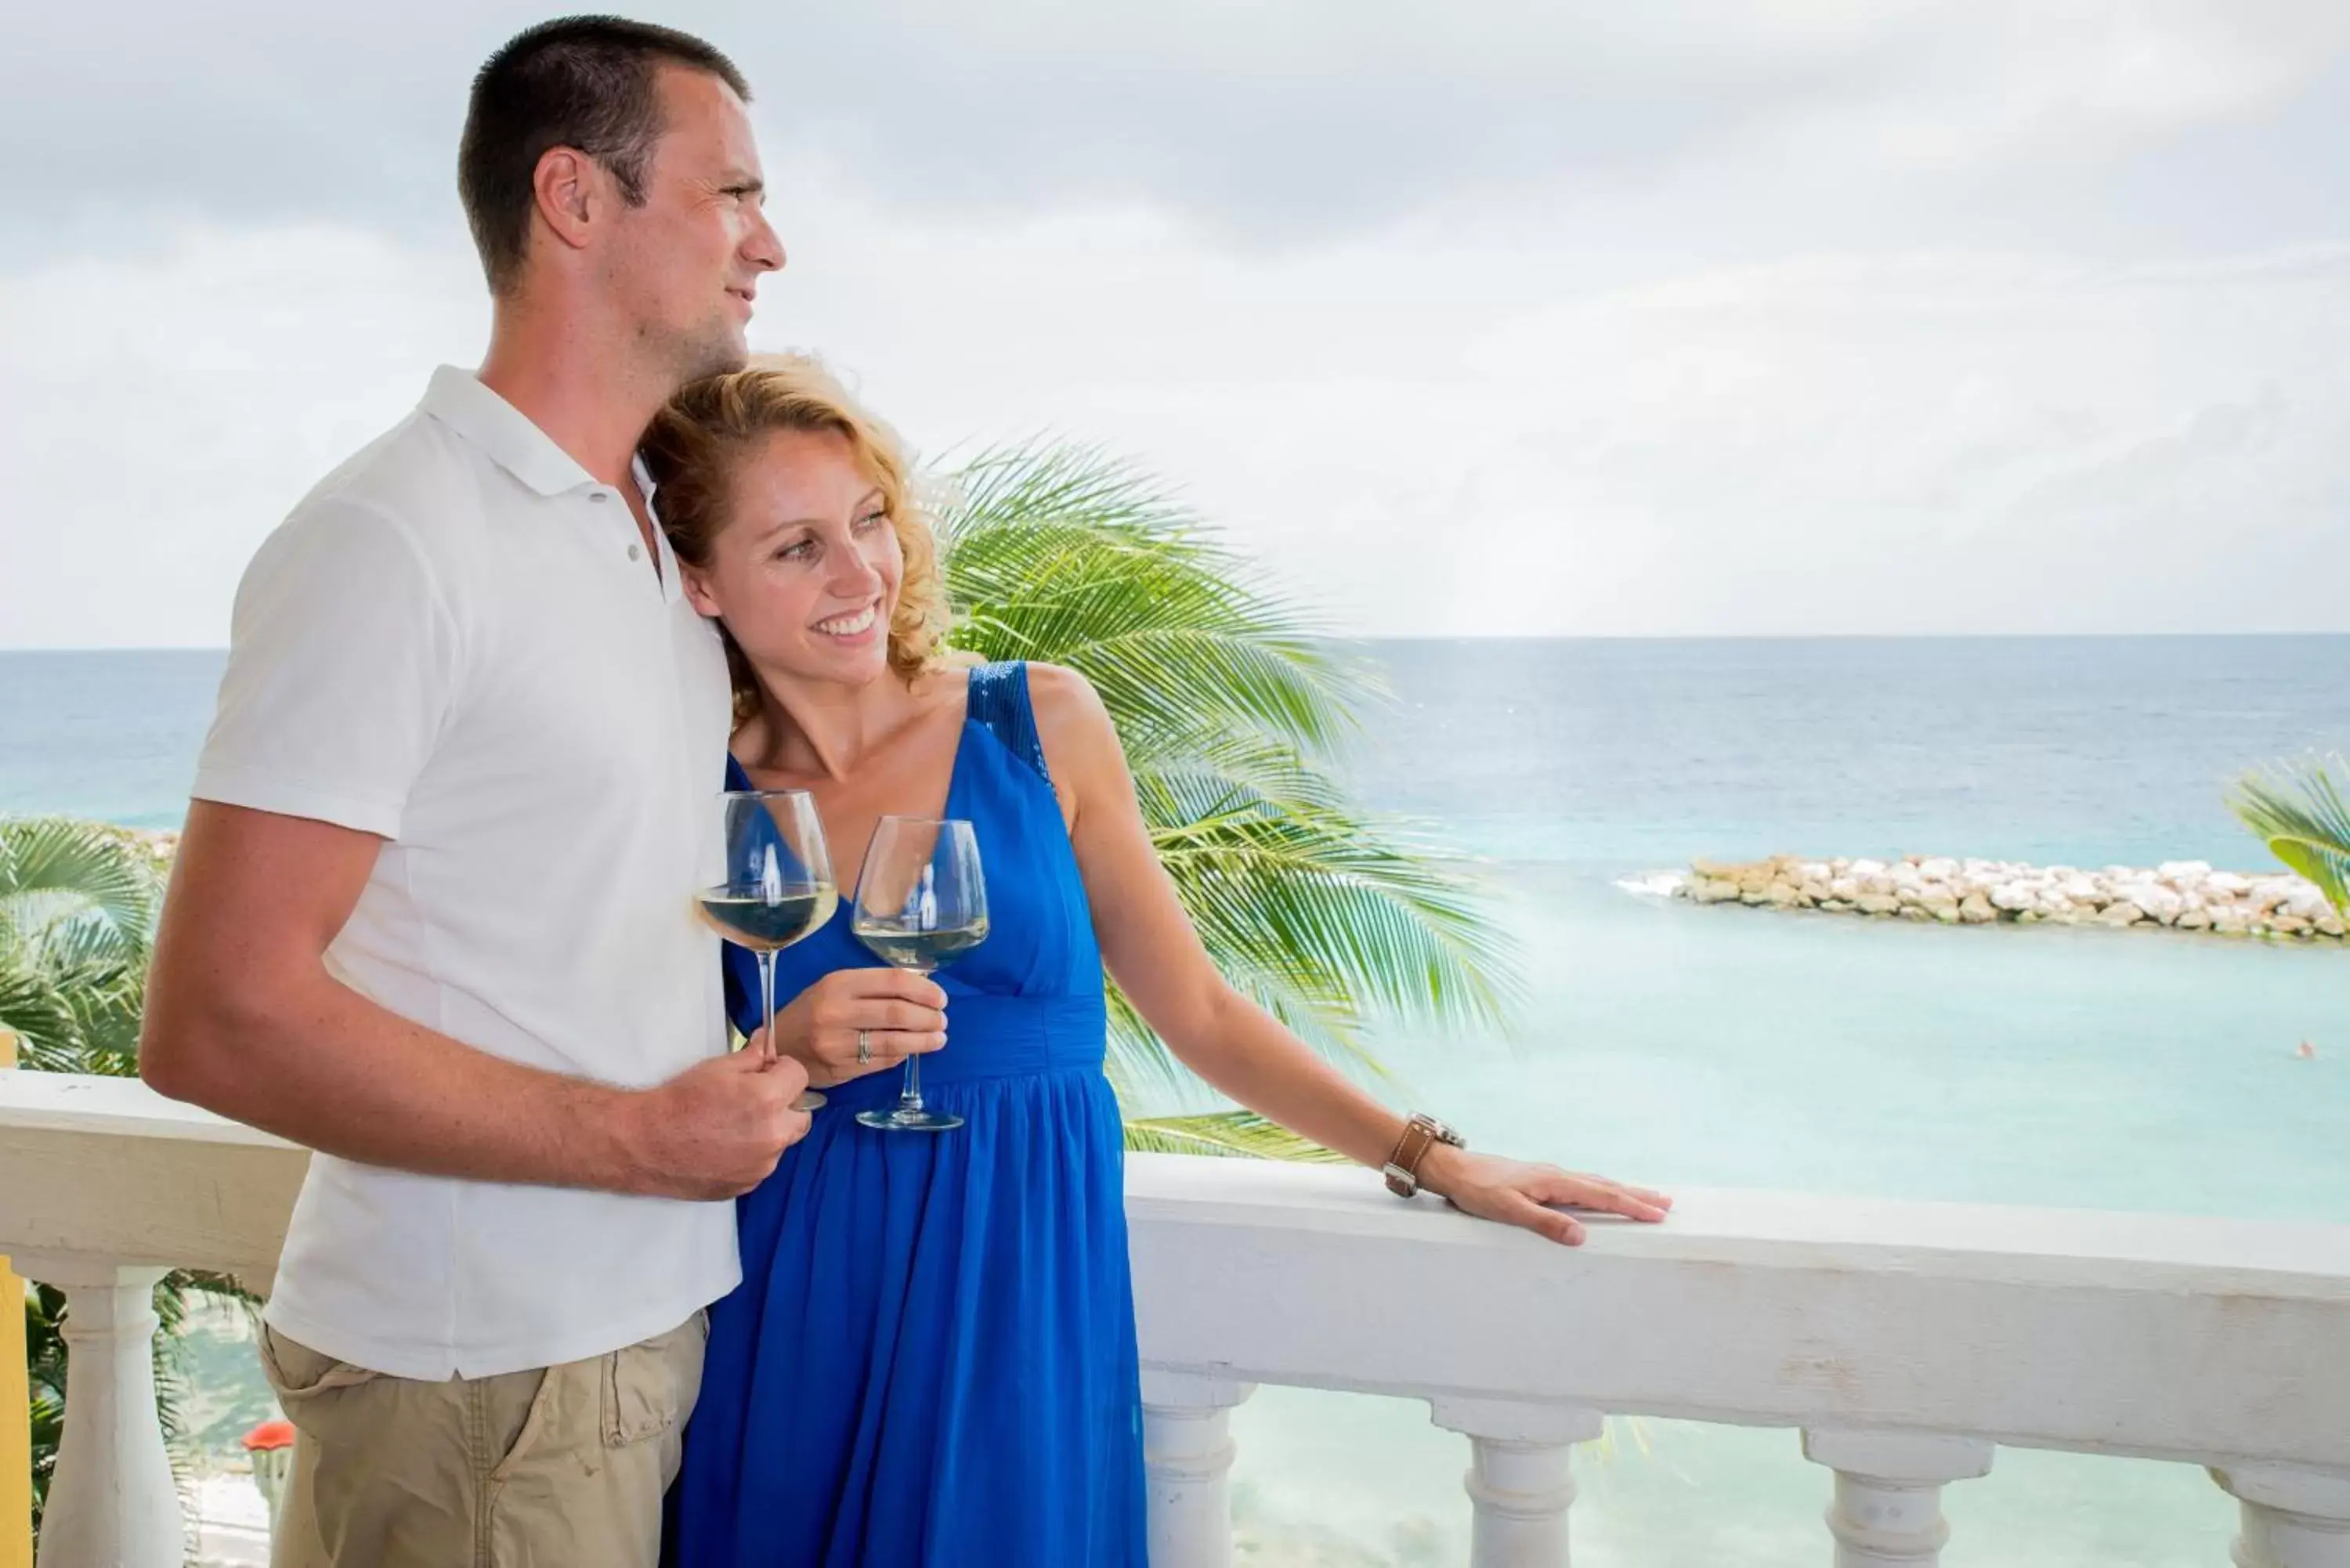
x=1187, y=1454
x=1518, y=1481
x=112, y=1502
x=2292, y=1519
x=1887, y=1512
x=15, y=1400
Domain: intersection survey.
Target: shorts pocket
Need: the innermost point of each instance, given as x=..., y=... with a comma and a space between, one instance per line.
x=649, y=1389
x=310, y=1387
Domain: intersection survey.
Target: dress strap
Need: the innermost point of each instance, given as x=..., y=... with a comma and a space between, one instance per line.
x=999, y=703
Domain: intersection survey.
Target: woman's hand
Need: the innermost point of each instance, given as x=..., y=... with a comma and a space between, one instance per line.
x=900, y=1015
x=1515, y=1192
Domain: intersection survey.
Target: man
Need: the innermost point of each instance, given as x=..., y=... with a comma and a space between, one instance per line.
x=432, y=915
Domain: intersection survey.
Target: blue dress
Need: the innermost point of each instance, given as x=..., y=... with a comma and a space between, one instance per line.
x=931, y=1360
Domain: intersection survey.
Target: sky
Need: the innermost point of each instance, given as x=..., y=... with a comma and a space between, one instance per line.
x=1791, y=317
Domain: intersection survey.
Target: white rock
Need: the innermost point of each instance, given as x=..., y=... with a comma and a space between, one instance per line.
x=2307, y=903
x=1865, y=869
x=1815, y=871
x=2226, y=883
x=2177, y=871
x=1844, y=888
x=1941, y=869
x=2017, y=896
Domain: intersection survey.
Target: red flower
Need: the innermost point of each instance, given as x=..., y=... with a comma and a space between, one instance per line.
x=270, y=1435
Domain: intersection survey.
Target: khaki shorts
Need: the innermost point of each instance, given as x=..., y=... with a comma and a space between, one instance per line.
x=563, y=1468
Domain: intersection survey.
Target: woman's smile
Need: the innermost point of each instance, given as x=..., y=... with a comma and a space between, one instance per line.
x=855, y=626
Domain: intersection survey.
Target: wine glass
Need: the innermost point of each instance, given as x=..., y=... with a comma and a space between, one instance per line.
x=779, y=888
x=920, y=901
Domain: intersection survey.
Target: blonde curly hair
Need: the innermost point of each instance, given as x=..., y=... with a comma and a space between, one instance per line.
x=712, y=425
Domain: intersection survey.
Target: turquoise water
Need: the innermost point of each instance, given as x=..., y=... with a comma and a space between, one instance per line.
x=1676, y=1044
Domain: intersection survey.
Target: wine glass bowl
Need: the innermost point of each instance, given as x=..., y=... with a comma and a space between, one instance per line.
x=922, y=901
x=779, y=889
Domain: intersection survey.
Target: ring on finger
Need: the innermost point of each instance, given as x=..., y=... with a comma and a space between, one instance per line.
x=864, y=1047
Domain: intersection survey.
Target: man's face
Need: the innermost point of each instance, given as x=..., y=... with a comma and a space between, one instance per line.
x=685, y=265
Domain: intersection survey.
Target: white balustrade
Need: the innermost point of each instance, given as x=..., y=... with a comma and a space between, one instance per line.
x=112, y=1498
x=1887, y=1512
x=2293, y=1517
x=1904, y=1340
x=1519, y=1488
x=1187, y=1457
x=104, y=1186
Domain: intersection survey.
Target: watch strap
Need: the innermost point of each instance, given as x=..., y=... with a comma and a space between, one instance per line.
x=1402, y=1169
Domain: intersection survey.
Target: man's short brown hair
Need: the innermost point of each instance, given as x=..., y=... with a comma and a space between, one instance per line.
x=586, y=82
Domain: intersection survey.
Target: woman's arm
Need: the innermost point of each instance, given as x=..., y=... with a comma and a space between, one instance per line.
x=1157, y=958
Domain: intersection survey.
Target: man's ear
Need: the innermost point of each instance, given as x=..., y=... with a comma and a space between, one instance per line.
x=568, y=188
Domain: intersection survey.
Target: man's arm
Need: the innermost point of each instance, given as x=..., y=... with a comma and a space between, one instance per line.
x=243, y=1019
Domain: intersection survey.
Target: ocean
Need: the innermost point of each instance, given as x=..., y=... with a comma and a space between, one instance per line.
x=1673, y=1045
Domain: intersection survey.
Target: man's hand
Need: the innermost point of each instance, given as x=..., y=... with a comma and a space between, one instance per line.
x=715, y=1130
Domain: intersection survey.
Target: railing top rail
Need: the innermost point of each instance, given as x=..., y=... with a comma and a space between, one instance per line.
x=125, y=1108
x=1763, y=1229
x=2206, y=1339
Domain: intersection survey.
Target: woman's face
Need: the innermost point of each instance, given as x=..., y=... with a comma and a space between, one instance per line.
x=805, y=572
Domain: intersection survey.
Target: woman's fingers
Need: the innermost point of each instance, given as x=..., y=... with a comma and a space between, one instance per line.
x=1597, y=1193
x=876, y=1017
x=1517, y=1209
x=899, y=984
x=883, y=1047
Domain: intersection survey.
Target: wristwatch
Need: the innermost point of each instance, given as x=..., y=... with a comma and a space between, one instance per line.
x=1421, y=1132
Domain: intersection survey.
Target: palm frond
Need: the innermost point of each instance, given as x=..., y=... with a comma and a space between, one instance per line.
x=41, y=1016
x=1062, y=554
x=1229, y=702
x=1231, y=1134
x=56, y=870
x=2299, y=814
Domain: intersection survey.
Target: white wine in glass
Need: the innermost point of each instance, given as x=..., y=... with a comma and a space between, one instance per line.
x=922, y=901
x=779, y=889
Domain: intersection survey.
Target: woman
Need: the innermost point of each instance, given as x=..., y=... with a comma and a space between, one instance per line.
x=931, y=1358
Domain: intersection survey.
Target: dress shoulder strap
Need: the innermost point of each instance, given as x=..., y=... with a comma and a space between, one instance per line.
x=999, y=703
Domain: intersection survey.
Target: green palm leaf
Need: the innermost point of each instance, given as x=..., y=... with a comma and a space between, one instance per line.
x=41, y=1017
x=1230, y=703
x=2302, y=816
x=78, y=903
x=1241, y=1134
x=1064, y=555
x=56, y=872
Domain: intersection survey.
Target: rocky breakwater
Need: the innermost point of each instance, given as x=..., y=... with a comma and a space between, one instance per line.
x=2179, y=895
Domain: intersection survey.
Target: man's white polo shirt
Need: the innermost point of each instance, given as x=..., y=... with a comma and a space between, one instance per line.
x=456, y=642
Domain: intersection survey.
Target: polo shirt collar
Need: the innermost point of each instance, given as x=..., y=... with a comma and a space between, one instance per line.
x=504, y=433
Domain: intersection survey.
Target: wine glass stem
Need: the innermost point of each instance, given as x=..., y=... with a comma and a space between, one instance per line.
x=910, y=1099
x=767, y=1005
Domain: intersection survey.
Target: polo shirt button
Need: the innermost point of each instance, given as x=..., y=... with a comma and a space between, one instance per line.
x=597, y=495
x=636, y=553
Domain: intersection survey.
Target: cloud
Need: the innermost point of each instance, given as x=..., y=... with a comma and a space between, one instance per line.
x=1297, y=123
x=1832, y=444
x=1843, y=316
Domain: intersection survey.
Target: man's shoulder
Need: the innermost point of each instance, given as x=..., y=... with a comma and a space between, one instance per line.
x=416, y=476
